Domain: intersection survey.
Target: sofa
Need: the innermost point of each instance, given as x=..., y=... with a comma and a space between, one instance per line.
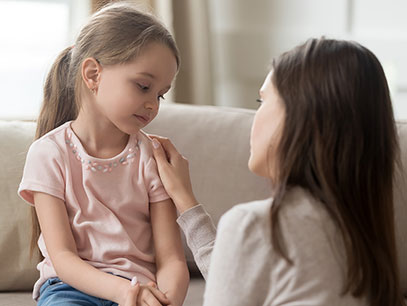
x=216, y=142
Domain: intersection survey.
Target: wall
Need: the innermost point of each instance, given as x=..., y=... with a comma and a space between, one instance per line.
x=246, y=35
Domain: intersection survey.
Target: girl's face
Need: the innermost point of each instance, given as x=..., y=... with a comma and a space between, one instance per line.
x=266, y=131
x=129, y=94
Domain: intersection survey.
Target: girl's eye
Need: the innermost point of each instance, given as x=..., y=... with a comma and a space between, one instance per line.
x=142, y=87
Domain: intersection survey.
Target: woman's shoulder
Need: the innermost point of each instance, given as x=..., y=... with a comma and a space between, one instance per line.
x=299, y=210
x=252, y=210
x=300, y=206
x=308, y=228
x=247, y=218
x=297, y=202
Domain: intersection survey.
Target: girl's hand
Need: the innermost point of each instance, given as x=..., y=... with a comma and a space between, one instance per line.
x=150, y=296
x=174, y=172
x=131, y=296
x=145, y=295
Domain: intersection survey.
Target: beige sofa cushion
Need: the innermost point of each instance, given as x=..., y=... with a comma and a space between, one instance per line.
x=17, y=270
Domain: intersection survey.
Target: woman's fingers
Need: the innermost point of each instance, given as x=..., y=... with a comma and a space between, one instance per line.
x=159, y=154
x=168, y=146
x=174, y=173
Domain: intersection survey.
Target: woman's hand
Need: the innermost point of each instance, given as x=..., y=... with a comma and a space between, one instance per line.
x=174, y=173
x=145, y=295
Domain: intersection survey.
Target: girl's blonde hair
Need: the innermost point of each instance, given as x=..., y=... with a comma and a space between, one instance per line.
x=115, y=34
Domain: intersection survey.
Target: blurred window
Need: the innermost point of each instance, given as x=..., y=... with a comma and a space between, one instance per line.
x=33, y=32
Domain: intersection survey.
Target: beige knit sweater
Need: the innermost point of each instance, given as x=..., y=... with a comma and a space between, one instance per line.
x=244, y=268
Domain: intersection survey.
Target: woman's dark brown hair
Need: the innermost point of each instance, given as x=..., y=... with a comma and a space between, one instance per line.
x=339, y=142
x=115, y=34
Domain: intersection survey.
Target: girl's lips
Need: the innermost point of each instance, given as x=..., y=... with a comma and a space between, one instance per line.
x=143, y=119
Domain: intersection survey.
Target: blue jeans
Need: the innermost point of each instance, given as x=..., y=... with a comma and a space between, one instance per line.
x=56, y=293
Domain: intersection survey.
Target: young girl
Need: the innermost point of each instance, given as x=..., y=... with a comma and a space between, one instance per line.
x=104, y=215
x=326, y=137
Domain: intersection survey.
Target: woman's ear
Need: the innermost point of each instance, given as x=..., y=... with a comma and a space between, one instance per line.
x=91, y=70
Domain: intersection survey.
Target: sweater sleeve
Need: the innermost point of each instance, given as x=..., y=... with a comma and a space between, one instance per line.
x=200, y=233
x=239, y=268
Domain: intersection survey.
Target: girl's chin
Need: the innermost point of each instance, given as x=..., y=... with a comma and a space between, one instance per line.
x=129, y=129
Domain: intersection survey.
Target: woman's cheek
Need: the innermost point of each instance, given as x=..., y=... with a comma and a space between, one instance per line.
x=258, y=149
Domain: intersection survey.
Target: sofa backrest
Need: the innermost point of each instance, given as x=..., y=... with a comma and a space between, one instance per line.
x=216, y=142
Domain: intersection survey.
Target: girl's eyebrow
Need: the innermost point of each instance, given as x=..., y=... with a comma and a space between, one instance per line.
x=153, y=77
x=147, y=74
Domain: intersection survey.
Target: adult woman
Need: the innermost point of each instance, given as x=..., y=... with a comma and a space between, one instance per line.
x=325, y=136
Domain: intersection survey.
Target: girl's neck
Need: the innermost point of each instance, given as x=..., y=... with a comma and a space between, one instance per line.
x=99, y=137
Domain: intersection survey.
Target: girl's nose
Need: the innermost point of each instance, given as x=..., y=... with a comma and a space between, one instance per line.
x=152, y=104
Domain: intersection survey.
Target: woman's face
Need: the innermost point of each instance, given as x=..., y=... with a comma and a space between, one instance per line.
x=266, y=131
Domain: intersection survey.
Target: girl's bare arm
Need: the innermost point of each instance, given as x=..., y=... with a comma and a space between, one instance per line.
x=172, y=271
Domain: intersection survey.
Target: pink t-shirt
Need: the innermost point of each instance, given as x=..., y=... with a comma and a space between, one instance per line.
x=107, y=201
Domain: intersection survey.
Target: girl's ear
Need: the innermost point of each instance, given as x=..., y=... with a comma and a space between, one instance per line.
x=91, y=70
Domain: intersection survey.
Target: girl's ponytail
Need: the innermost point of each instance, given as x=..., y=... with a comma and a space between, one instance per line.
x=57, y=108
x=59, y=104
